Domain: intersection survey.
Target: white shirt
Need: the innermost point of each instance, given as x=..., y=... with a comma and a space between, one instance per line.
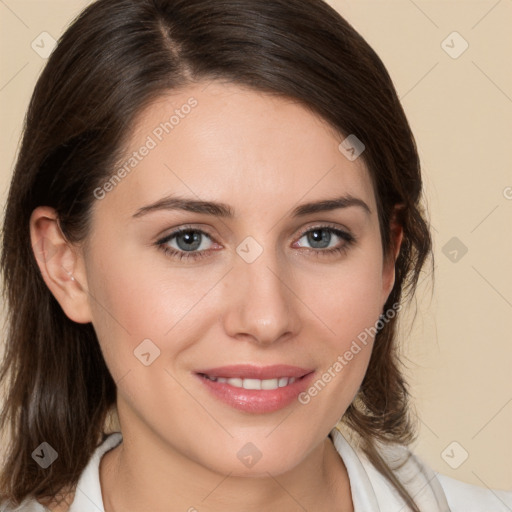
x=371, y=491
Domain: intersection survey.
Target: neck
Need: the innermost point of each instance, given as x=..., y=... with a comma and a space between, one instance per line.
x=140, y=476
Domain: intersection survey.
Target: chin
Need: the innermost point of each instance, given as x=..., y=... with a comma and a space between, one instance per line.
x=261, y=469
x=243, y=458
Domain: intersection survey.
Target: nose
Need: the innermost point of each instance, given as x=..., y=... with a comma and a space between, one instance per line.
x=261, y=305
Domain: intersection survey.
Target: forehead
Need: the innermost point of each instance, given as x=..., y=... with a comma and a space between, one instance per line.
x=226, y=142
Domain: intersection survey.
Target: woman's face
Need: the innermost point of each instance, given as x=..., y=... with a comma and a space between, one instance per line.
x=260, y=296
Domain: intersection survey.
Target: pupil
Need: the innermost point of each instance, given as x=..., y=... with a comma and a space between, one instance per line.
x=320, y=235
x=191, y=239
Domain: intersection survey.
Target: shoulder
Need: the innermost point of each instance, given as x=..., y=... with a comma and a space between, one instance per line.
x=447, y=493
x=48, y=505
x=432, y=491
x=69, y=500
x=464, y=497
x=451, y=494
x=28, y=505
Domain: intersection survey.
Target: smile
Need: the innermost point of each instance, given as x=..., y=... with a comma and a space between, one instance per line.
x=266, y=384
x=255, y=389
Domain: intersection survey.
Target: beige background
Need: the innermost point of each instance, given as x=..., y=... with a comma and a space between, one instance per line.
x=459, y=350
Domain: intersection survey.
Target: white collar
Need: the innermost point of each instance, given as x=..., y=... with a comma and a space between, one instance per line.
x=364, y=498
x=88, y=496
x=367, y=483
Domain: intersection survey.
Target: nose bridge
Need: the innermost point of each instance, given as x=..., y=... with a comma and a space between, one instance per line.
x=261, y=305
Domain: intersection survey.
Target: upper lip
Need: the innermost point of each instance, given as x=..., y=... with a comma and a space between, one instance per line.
x=247, y=371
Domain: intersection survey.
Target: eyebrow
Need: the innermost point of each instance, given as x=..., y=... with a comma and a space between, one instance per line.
x=225, y=211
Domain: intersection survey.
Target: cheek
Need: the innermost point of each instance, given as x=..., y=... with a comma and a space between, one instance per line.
x=130, y=289
x=348, y=303
x=347, y=297
x=137, y=297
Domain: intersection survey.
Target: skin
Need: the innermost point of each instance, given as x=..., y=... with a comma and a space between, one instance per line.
x=263, y=155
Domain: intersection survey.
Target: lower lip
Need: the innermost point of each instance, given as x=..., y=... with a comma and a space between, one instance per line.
x=255, y=400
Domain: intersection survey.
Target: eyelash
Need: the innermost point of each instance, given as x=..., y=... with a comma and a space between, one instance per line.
x=196, y=255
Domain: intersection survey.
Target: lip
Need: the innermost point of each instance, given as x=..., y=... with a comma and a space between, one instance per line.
x=254, y=400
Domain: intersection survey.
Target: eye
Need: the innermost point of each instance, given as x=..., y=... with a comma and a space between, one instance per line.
x=185, y=243
x=321, y=237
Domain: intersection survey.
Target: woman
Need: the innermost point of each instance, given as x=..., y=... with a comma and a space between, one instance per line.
x=213, y=221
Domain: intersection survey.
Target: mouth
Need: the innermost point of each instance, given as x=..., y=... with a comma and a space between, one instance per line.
x=256, y=389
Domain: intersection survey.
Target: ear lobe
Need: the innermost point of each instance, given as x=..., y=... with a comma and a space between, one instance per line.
x=60, y=264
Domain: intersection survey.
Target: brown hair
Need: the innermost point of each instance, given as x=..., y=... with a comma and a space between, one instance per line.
x=117, y=57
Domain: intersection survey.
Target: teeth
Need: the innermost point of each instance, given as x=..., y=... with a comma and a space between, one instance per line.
x=266, y=384
x=270, y=384
x=252, y=384
x=283, y=381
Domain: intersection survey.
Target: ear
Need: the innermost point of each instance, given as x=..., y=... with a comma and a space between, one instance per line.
x=388, y=272
x=61, y=264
